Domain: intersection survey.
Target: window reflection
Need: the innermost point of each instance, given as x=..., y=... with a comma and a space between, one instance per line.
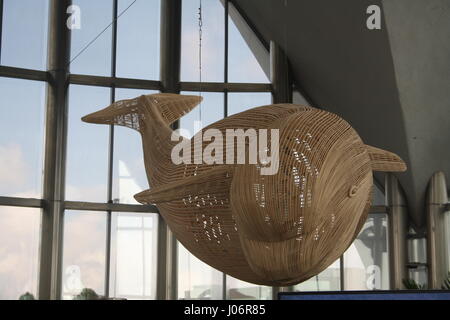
x=84, y=254
x=138, y=39
x=133, y=255
x=377, y=196
x=96, y=59
x=197, y=280
x=213, y=35
x=87, y=146
x=24, y=34
x=241, y=290
x=366, y=261
x=22, y=137
x=327, y=280
x=242, y=101
x=242, y=65
x=129, y=176
x=19, y=251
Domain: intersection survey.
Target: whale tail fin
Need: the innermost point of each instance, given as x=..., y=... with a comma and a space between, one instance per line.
x=382, y=160
x=174, y=106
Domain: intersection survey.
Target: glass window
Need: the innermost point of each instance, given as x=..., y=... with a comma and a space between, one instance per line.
x=377, y=196
x=129, y=175
x=24, y=34
x=138, y=39
x=211, y=111
x=366, y=261
x=241, y=101
x=84, y=254
x=327, y=280
x=242, y=64
x=87, y=146
x=133, y=255
x=94, y=59
x=19, y=251
x=197, y=280
x=22, y=137
x=213, y=38
x=241, y=290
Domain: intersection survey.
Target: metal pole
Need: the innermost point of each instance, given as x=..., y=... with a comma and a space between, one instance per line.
x=437, y=199
x=170, y=79
x=1, y=28
x=111, y=151
x=225, y=110
x=281, y=93
x=398, y=228
x=52, y=225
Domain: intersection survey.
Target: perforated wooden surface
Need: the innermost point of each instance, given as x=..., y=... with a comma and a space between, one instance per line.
x=273, y=230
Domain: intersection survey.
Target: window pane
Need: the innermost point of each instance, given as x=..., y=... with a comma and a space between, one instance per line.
x=96, y=59
x=19, y=251
x=129, y=170
x=213, y=37
x=377, y=196
x=133, y=255
x=84, y=252
x=211, y=111
x=24, y=38
x=240, y=290
x=327, y=280
x=242, y=64
x=197, y=280
x=22, y=137
x=366, y=261
x=87, y=146
x=238, y=102
x=138, y=39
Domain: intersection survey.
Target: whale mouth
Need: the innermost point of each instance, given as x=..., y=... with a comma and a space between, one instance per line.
x=124, y=112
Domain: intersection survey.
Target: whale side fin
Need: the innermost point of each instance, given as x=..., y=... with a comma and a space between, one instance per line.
x=382, y=160
x=213, y=181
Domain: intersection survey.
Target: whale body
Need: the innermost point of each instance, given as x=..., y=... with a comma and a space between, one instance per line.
x=275, y=230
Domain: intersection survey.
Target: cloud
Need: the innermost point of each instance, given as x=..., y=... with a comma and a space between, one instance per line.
x=84, y=246
x=19, y=237
x=13, y=167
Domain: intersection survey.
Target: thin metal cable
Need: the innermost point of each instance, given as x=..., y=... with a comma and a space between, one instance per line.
x=200, y=25
x=103, y=31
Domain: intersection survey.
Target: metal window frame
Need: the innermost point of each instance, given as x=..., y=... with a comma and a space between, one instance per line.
x=58, y=78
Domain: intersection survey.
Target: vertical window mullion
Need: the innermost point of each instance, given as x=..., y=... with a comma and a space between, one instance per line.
x=1, y=28
x=111, y=148
x=225, y=108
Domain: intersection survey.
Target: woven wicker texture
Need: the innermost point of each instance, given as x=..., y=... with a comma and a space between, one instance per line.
x=272, y=230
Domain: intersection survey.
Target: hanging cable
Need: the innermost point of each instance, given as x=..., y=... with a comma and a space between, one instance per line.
x=200, y=25
x=103, y=31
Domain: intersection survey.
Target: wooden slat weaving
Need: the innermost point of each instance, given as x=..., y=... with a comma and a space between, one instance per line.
x=275, y=230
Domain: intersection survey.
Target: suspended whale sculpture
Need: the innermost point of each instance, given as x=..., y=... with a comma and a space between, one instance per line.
x=270, y=229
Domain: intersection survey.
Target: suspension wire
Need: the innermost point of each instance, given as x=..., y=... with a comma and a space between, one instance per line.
x=200, y=30
x=101, y=32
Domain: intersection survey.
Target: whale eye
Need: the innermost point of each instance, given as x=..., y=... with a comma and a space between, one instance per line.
x=352, y=191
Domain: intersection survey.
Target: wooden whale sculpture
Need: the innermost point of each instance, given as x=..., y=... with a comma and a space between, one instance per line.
x=275, y=230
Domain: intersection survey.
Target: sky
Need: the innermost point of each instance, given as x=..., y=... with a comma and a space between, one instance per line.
x=22, y=114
